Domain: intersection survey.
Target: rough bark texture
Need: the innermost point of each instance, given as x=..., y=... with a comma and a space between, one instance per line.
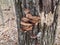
x=57, y=41
x=9, y=27
x=48, y=24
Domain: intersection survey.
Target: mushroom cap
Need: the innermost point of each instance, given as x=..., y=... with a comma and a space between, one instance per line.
x=24, y=19
x=25, y=24
x=27, y=28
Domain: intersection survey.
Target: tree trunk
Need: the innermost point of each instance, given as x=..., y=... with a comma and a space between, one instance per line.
x=46, y=9
x=45, y=31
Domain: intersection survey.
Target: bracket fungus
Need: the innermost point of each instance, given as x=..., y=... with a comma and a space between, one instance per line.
x=28, y=21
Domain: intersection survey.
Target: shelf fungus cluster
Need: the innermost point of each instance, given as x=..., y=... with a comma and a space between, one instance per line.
x=29, y=21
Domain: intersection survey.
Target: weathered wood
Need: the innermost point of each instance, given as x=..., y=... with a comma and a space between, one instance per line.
x=46, y=10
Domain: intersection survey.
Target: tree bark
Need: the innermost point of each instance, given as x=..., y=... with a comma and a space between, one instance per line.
x=46, y=9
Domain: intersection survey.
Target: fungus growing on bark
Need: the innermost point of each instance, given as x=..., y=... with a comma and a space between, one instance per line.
x=28, y=21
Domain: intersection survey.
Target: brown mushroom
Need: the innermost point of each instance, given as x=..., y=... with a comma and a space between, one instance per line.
x=24, y=19
x=26, y=24
x=34, y=18
x=26, y=28
x=28, y=21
